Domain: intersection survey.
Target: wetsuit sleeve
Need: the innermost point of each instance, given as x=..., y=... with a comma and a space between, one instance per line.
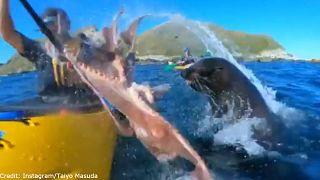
x=32, y=49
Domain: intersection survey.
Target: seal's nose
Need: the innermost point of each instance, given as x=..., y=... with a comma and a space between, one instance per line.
x=184, y=73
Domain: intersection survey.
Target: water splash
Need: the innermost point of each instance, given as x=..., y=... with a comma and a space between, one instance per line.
x=215, y=46
x=227, y=130
x=241, y=133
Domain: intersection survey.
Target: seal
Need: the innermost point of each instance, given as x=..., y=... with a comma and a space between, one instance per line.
x=230, y=90
x=226, y=84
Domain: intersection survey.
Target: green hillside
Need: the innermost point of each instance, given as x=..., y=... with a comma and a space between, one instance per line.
x=169, y=40
x=16, y=64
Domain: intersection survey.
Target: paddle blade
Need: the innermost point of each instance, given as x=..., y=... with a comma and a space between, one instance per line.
x=170, y=67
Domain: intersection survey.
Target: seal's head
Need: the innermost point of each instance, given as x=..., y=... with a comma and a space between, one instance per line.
x=210, y=75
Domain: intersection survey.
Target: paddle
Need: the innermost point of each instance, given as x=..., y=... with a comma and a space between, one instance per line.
x=43, y=28
x=21, y=115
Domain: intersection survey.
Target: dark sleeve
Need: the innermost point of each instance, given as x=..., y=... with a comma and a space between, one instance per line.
x=32, y=49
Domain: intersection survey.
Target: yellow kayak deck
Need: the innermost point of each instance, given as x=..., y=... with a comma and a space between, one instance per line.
x=77, y=145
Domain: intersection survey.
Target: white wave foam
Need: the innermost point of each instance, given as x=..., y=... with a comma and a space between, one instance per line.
x=166, y=171
x=185, y=177
x=241, y=133
x=230, y=131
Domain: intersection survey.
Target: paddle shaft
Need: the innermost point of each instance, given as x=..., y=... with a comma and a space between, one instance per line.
x=43, y=28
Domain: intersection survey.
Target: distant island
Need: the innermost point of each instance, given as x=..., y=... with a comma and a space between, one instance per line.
x=169, y=39
x=166, y=42
x=16, y=64
x=315, y=60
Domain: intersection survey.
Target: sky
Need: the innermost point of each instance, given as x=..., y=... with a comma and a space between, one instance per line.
x=295, y=24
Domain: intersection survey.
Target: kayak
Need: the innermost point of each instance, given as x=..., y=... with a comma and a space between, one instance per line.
x=72, y=144
x=170, y=67
x=183, y=67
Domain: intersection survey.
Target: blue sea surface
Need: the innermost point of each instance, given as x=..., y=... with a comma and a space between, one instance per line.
x=297, y=85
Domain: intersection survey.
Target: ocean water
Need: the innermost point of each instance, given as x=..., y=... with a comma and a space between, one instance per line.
x=296, y=85
x=296, y=88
